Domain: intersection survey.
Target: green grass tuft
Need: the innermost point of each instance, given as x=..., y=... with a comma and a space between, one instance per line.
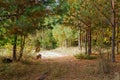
x=84, y=56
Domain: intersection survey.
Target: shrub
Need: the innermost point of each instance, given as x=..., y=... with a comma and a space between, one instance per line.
x=84, y=56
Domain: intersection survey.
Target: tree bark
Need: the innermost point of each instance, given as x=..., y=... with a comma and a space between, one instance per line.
x=117, y=43
x=22, y=47
x=113, y=30
x=15, y=47
x=89, y=40
x=15, y=38
x=86, y=47
x=79, y=39
x=117, y=30
x=66, y=43
x=113, y=44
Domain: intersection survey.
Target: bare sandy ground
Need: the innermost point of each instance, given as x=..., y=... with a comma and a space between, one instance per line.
x=51, y=54
x=60, y=52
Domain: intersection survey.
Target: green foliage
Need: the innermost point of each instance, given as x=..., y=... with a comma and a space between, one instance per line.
x=45, y=39
x=84, y=56
x=62, y=33
x=63, y=7
x=48, y=41
x=3, y=39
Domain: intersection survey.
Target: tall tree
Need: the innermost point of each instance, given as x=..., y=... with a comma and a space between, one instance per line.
x=113, y=29
x=22, y=18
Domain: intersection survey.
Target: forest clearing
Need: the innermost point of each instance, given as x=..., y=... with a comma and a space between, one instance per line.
x=59, y=39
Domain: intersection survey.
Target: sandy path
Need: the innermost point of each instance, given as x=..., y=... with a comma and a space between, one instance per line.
x=51, y=54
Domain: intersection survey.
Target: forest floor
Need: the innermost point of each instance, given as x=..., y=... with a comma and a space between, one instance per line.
x=60, y=68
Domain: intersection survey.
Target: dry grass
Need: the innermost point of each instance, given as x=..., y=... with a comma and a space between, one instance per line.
x=67, y=68
x=69, y=51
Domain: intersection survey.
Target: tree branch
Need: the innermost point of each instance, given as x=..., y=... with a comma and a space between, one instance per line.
x=102, y=13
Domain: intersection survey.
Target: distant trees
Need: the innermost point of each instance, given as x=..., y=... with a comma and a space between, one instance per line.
x=64, y=35
x=111, y=17
x=81, y=16
x=92, y=15
x=81, y=19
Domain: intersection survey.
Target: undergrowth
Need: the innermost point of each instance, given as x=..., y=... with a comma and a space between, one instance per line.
x=84, y=56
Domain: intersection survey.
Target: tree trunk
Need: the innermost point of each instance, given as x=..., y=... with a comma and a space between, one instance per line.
x=86, y=43
x=15, y=39
x=117, y=30
x=15, y=47
x=113, y=31
x=79, y=39
x=22, y=47
x=89, y=40
x=117, y=43
x=66, y=43
x=113, y=44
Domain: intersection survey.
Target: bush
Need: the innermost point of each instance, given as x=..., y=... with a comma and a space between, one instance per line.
x=84, y=56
